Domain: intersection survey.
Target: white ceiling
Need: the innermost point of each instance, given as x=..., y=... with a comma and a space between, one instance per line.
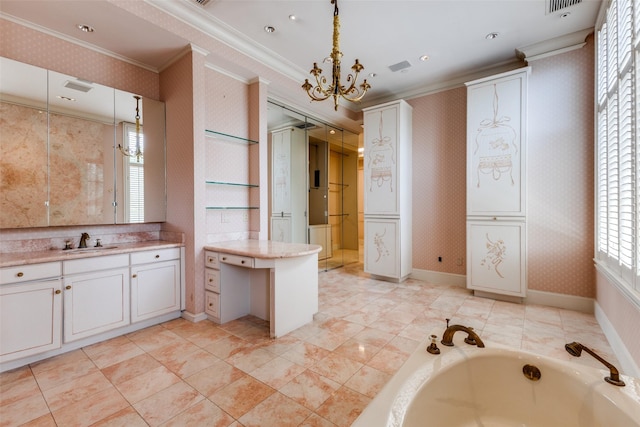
x=379, y=33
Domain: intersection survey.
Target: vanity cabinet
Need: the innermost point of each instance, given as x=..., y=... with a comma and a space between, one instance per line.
x=155, y=283
x=30, y=310
x=96, y=295
x=230, y=298
x=387, y=190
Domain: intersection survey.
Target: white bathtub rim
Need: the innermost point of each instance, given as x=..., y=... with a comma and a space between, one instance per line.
x=389, y=407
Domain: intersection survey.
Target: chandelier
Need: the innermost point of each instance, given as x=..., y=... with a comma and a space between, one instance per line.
x=325, y=88
x=137, y=150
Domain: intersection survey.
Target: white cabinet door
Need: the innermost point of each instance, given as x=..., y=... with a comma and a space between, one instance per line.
x=382, y=247
x=95, y=302
x=496, y=147
x=381, y=161
x=30, y=319
x=496, y=257
x=155, y=289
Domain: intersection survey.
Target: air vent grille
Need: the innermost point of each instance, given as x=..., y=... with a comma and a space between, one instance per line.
x=77, y=86
x=400, y=66
x=306, y=125
x=556, y=5
x=201, y=2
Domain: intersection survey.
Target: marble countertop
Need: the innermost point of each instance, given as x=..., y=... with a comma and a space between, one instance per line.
x=265, y=249
x=35, y=257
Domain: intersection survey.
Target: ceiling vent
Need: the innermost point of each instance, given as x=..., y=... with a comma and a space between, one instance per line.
x=202, y=2
x=306, y=125
x=556, y=5
x=400, y=66
x=77, y=86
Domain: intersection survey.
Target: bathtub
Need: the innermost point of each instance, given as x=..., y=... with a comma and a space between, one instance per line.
x=469, y=386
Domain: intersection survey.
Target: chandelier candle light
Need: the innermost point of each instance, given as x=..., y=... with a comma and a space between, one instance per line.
x=324, y=89
x=138, y=150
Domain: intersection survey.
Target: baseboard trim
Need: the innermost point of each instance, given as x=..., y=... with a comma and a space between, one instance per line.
x=627, y=364
x=194, y=317
x=439, y=278
x=569, y=302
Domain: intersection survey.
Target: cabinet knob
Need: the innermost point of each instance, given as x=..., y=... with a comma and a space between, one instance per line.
x=224, y=258
x=134, y=276
x=209, y=259
x=210, y=305
x=20, y=274
x=67, y=287
x=242, y=262
x=58, y=291
x=157, y=256
x=210, y=280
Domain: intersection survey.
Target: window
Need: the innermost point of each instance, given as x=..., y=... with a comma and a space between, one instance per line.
x=134, y=175
x=618, y=156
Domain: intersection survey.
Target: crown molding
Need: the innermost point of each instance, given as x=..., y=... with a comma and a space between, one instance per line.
x=554, y=46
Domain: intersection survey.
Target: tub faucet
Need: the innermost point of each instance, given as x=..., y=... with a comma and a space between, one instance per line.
x=472, y=338
x=83, y=240
x=575, y=349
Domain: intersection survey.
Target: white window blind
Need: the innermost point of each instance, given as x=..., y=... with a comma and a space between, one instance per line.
x=618, y=159
x=134, y=176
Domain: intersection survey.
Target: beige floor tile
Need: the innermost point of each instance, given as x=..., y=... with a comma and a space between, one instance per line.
x=251, y=358
x=65, y=373
x=368, y=381
x=128, y=417
x=213, y=378
x=15, y=375
x=310, y=389
x=227, y=346
x=337, y=368
x=19, y=389
x=59, y=362
x=147, y=384
x=43, y=421
x=76, y=390
x=23, y=410
x=327, y=340
x=188, y=364
x=306, y=354
x=316, y=420
x=130, y=368
x=387, y=361
x=240, y=396
x=92, y=409
x=121, y=353
x=168, y=403
x=343, y=407
x=204, y=413
x=276, y=410
x=105, y=346
x=150, y=340
x=277, y=372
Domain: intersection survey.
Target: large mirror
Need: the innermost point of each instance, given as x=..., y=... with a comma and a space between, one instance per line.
x=73, y=152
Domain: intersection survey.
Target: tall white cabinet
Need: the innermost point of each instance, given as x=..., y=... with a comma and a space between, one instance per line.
x=288, y=186
x=387, y=190
x=496, y=184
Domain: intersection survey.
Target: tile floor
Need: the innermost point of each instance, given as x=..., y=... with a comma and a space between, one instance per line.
x=323, y=374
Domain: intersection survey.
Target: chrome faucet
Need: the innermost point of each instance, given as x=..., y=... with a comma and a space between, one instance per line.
x=575, y=349
x=83, y=240
x=472, y=338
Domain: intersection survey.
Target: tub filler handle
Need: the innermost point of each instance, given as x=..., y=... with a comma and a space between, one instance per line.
x=575, y=349
x=472, y=338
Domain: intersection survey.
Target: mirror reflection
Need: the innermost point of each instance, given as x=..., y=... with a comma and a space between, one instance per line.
x=74, y=152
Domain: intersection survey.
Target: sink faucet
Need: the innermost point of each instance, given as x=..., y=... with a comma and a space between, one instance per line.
x=575, y=349
x=472, y=338
x=83, y=240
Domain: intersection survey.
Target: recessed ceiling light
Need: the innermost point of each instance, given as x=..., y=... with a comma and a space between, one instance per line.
x=424, y=58
x=372, y=75
x=292, y=17
x=491, y=36
x=85, y=28
x=269, y=29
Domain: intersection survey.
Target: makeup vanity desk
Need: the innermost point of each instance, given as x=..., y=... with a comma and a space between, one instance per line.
x=273, y=281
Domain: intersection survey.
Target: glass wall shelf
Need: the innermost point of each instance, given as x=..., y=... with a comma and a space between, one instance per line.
x=227, y=137
x=237, y=184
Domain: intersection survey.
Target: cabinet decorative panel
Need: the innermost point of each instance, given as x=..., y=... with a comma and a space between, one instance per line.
x=496, y=256
x=496, y=182
x=382, y=250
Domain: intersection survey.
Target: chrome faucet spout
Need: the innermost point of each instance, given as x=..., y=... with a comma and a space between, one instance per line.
x=472, y=338
x=575, y=349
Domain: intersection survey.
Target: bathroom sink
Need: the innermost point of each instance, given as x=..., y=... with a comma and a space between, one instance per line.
x=88, y=250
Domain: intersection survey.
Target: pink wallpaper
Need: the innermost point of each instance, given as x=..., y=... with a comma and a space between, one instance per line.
x=439, y=180
x=36, y=48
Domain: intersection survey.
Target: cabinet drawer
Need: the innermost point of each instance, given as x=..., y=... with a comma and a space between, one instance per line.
x=157, y=255
x=212, y=280
x=242, y=261
x=212, y=259
x=212, y=306
x=26, y=273
x=75, y=266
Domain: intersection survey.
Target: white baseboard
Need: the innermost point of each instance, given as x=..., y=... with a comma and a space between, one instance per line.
x=439, y=278
x=569, y=302
x=194, y=317
x=627, y=364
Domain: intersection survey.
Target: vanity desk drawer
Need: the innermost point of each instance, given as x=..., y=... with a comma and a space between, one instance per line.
x=241, y=261
x=212, y=304
x=27, y=273
x=212, y=280
x=212, y=259
x=157, y=255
